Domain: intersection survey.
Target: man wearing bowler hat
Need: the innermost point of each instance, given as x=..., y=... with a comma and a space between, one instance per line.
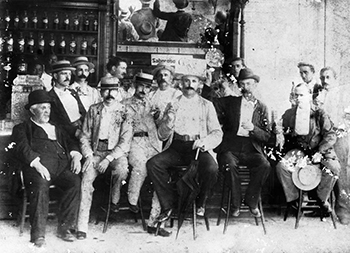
x=49, y=157
x=144, y=145
x=178, y=23
x=105, y=142
x=87, y=94
x=189, y=123
x=245, y=123
x=310, y=130
x=67, y=109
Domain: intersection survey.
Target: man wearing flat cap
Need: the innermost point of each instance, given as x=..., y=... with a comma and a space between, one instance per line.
x=67, y=109
x=87, y=94
x=105, y=142
x=163, y=74
x=49, y=157
x=178, y=23
x=245, y=122
x=189, y=123
x=144, y=145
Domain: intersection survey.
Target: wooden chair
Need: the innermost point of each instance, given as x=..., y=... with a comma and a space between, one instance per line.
x=227, y=192
x=307, y=204
x=176, y=172
x=123, y=208
x=24, y=202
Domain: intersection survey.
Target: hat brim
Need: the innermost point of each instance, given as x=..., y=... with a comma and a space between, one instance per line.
x=311, y=185
x=255, y=77
x=27, y=106
x=158, y=68
x=60, y=69
x=202, y=78
x=89, y=64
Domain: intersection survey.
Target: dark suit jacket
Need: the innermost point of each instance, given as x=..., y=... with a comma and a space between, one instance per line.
x=177, y=26
x=26, y=134
x=229, y=113
x=59, y=115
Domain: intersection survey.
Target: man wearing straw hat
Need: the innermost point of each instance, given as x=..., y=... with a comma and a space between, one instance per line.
x=310, y=130
x=87, y=94
x=105, y=142
x=189, y=123
x=49, y=156
x=67, y=109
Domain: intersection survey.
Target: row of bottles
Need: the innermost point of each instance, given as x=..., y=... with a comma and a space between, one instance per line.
x=58, y=21
x=59, y=44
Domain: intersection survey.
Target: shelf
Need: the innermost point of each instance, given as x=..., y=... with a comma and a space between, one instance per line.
x=41, y=30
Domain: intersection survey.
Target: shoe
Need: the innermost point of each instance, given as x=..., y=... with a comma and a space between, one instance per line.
x=134, y=208
x=236, y=212
x=255, y=212
x=316, y=213
x=80, y=235
x=294, y=204
x=165, y=215
x=66, y=235
x=115, y=207
x=161, y=232
x=326, y=207
x=39, y=242
x=201, y=211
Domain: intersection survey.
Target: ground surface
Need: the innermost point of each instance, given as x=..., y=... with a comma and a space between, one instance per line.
x=242, y=236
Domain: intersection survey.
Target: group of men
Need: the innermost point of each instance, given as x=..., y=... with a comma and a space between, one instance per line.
x=77, y=132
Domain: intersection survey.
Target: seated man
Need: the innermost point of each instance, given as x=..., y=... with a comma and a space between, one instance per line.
x=144, y=145
x=246, y=132
x=105, y=142
x=310, y=130
x=49, y=157
x=190, y=123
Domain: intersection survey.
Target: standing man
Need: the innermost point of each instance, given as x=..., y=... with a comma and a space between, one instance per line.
x=105, y=142
x=232, y=70
x=178, y=23
x=67, y=109
x=310, y=130
x=165, y=94
x=87, y=94
x=49, y=157
x=144, y=145
x=116, y=68
x=245, y=123
x=189, y=123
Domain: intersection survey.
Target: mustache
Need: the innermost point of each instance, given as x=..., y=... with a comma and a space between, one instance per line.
x=189, y=88
x=110, y=97
x=82, y=76
x=142, y=93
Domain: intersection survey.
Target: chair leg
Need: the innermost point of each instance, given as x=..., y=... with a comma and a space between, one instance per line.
x=206, y=222
x=262, y=217
x=333, y=215
x=286, y=213
x=142, y=215
x=109, y=204
x=222, y=209
x=228, y=210
x=23, y=212
x=194, y=220
x=299, y=209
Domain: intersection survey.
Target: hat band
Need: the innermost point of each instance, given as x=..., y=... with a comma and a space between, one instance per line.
x=142, y=79
x=61, y=66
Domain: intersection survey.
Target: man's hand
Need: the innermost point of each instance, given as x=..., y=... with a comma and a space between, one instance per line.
x=317, y=157
x=75, y=165
x=87, y=164
x=248, y=126
x=199, y=144
x=43, y=171
x=103, y=165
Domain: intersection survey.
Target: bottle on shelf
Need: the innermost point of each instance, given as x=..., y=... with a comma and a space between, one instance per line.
x=25, y=20
x=20, y=42
x=7, y=19
x=9, y=43
x=45, y=21
x=7, y=68
x=72, y=45
x=2, y=41
x=56, y=21
x=35, y=20
x=41, y=44
x=30, y=43
x=83, y=46
x=76, y=22
x=22, y=66
x=94, y=47
x=66, y=22
x=86, y=23
x=62, y=45
x=52, y=43
x=95, y=24
x=16, y=21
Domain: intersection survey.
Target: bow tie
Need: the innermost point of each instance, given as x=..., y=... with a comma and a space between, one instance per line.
x=249, y=97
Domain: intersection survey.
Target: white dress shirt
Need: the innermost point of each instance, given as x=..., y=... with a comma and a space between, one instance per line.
x=70, y=104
